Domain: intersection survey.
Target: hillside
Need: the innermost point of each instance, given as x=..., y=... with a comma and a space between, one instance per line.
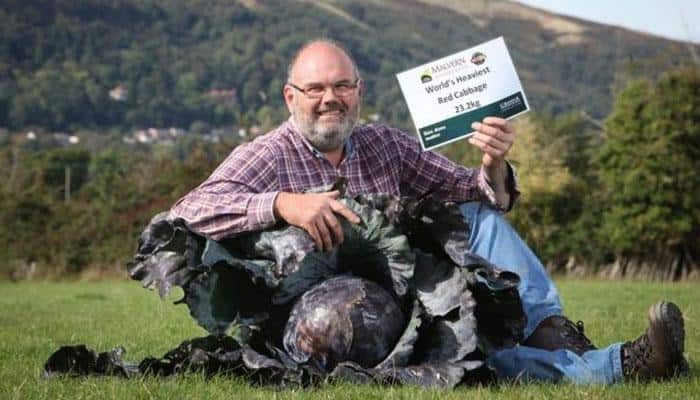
x=67, y=65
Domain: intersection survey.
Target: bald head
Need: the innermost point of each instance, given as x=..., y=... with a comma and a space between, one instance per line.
x=317, y=50
x=323, y=94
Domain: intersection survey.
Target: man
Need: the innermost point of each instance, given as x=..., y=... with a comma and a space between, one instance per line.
x=262, y=182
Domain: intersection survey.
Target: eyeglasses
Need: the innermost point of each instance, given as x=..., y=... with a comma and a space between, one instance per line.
x=316, y=91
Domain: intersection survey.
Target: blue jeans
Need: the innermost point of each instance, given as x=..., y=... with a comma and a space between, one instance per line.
x=494, y=239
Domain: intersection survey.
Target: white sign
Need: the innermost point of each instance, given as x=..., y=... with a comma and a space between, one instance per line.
x=446, y=96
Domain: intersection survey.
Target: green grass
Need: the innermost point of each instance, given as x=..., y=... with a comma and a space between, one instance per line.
x=37, y=318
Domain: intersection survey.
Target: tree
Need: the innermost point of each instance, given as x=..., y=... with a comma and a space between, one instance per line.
x=58, y=98
x=542, y=213
x=649, y=169
x=63, y=166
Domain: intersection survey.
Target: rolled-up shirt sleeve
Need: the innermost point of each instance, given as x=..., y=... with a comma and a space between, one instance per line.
x=238, y=196
x=430, y=173
x=511, y=187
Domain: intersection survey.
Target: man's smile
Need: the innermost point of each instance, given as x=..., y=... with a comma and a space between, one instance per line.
x=330, y=114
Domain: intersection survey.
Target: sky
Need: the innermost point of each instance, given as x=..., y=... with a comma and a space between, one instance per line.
x=674, y=19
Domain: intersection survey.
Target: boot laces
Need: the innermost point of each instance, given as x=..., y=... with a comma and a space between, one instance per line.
x=637, y=354
x=575, y=334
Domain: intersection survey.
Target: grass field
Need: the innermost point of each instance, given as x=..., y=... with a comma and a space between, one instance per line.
x=36, y=318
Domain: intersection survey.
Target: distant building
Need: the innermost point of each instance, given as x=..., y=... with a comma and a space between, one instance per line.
x=155, y=135
x=212, y=137
x=141, y=136
x=64, y=139
x=118, y=93
x=175, y=132
x=31, y=135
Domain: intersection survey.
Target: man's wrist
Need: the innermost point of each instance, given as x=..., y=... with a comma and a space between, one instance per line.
x=495, y=178
x=496, y=174
x=279, y=198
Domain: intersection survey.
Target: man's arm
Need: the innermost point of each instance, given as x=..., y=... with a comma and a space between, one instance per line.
x=495, y=136
x=427, y=172
x=238, y=196
x=243, y=195
x=496, y=177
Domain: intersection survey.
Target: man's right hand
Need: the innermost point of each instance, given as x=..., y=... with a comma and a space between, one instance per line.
x=315, y=213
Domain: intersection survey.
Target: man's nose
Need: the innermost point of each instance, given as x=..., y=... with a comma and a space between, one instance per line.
x=329, y=95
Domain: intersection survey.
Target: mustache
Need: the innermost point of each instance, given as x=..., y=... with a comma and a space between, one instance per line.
x=332, y=107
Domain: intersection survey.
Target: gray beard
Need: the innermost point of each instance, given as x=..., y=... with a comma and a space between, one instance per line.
x=323, y=137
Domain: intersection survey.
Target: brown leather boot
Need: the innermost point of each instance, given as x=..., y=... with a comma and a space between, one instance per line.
x=559, y=332
x=658, y=353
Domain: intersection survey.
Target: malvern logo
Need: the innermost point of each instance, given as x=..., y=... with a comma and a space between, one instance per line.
x=445, y=67
x=448, y=65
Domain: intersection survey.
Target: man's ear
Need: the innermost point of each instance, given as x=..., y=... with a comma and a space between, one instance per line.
x=288, y=94
x=361, y=88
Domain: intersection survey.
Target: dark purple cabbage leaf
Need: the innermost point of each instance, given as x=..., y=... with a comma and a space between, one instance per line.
x=453, y=307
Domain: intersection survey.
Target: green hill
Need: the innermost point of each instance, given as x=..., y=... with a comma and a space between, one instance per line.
x=172, y=63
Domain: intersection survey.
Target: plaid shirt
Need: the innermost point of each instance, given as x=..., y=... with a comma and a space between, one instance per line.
x=239, y=195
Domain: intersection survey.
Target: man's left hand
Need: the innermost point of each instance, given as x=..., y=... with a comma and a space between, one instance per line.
x=494, y=136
